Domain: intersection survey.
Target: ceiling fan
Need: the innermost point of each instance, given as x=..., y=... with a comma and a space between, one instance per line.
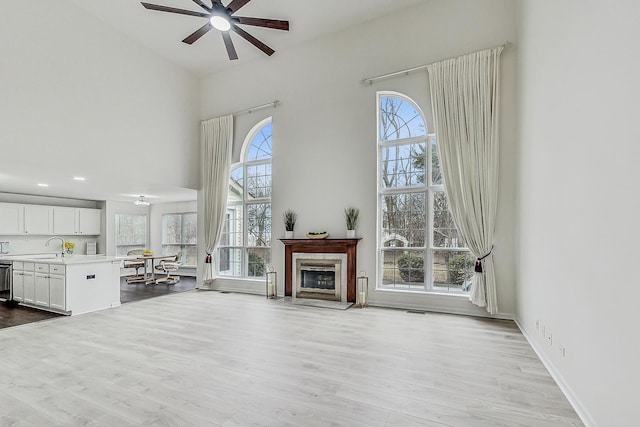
x=223, y=19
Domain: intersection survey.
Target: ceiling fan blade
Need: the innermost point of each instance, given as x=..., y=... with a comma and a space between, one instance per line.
x=193, y=37
x=231, y=50
x=236, y=5
x=262, y=22
x=174, y=10
x=202, y=5
x=254, y=41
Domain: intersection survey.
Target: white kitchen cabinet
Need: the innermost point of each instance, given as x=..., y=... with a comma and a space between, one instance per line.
x=38, y=220
x=41, y=297
x=57, y=292
x=89, y=221
x=11, y=218
x=29, y=283
x=76, y=285
x=17, y=284
x=80, y=221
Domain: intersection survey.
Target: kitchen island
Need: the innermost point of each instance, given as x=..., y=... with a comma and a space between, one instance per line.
x=69, y=285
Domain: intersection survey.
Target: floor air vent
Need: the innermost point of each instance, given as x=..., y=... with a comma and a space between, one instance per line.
x=416, y=312
x=225, y=292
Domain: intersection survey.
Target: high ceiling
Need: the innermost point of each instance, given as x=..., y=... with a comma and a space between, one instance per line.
x=162, y=32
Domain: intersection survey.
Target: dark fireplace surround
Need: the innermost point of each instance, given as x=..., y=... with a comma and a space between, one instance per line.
x=330, y=246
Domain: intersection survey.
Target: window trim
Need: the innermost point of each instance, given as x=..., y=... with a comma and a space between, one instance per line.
x=182, y=245
x=428, y=188
x=245, y=164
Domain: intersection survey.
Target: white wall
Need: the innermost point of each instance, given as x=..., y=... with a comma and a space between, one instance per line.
x=324, y=133
x=76, y=92
x=578, y=233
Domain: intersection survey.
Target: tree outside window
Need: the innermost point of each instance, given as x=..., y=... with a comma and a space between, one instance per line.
x=245, y=244
x=421, y=249
x=180, y=235
x=131, y=233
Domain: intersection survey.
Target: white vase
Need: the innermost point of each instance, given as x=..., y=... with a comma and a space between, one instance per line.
x=351, y=234
x=288, y=234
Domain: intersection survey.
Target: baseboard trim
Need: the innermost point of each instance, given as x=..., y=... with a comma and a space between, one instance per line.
x=573, y=399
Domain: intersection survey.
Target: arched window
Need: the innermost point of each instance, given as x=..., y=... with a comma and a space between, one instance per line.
x=420, y=248
x=245, y=245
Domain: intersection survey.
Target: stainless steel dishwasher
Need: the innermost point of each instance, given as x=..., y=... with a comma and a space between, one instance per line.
x=6, y=276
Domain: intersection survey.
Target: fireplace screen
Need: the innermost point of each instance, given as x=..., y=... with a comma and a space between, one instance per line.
x=318, y=277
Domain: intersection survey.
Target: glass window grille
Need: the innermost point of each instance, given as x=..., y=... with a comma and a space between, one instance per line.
x=420, y=246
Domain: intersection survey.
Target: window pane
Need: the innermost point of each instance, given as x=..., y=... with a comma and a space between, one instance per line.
x=259, y=181
x=259, y=259
x=232, y=227
x=190, y=228
x=259, y=224
x=445, y=233
x=190, y=255
x=403, y=269
x=260, y=148
x=131, y=233
x=436, y=173
x=452, y=270
x=170, y=249
x=236, y=186
x=404, y=219
x=399, y=119
x=403, y=165
x=171, y=229
x=230, y=262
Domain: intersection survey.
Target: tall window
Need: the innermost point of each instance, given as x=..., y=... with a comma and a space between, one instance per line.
x=180, y=234
x=131, y=233
x=420, y=248
x=245, y=246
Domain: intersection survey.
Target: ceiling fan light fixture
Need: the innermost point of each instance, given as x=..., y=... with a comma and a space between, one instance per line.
x=220, y=23
x=141, y=202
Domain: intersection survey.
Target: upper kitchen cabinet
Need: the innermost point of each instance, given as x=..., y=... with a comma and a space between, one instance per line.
x=11, y=218
x=70, y=221
x=38, y=220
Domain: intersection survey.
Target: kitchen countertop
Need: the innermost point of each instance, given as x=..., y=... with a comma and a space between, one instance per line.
x=68, y=259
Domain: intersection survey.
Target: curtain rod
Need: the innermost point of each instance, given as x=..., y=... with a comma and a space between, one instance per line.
x=370, y=80
x=256, y=108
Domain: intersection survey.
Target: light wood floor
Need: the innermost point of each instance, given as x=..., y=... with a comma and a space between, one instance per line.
x=202, y=358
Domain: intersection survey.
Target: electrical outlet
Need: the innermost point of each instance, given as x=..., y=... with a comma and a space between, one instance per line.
x=399, y=299
x=563, y=350
x=537, y=325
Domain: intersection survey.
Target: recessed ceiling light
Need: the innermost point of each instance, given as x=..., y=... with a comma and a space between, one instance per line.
x=42, y=185
x=79, y=178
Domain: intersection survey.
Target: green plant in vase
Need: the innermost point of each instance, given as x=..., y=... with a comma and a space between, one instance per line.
x=351, y=216
x=289, y=217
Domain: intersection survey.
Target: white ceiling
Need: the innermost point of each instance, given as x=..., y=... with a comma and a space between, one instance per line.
x=162, y=33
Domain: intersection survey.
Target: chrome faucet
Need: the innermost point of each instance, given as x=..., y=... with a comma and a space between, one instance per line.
x=56, y=237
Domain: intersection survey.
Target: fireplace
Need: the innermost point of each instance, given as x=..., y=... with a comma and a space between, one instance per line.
x=320, y=268
x=319, y=276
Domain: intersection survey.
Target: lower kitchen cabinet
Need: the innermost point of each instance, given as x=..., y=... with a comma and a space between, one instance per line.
x=40, y=285
x=57, y=289
x=42, y=290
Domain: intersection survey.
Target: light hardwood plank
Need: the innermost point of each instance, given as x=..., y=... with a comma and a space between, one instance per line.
x=211, y=359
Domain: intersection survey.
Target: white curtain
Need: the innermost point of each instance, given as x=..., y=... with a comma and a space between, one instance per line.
x=217, y=145
x=464, y=95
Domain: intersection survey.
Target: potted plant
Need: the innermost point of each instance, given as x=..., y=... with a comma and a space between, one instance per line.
x=289, y=218
x=68, y=246
x=351, y=219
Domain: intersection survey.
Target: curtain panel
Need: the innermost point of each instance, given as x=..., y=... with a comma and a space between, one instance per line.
x=464, y=96
x=217, y=146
